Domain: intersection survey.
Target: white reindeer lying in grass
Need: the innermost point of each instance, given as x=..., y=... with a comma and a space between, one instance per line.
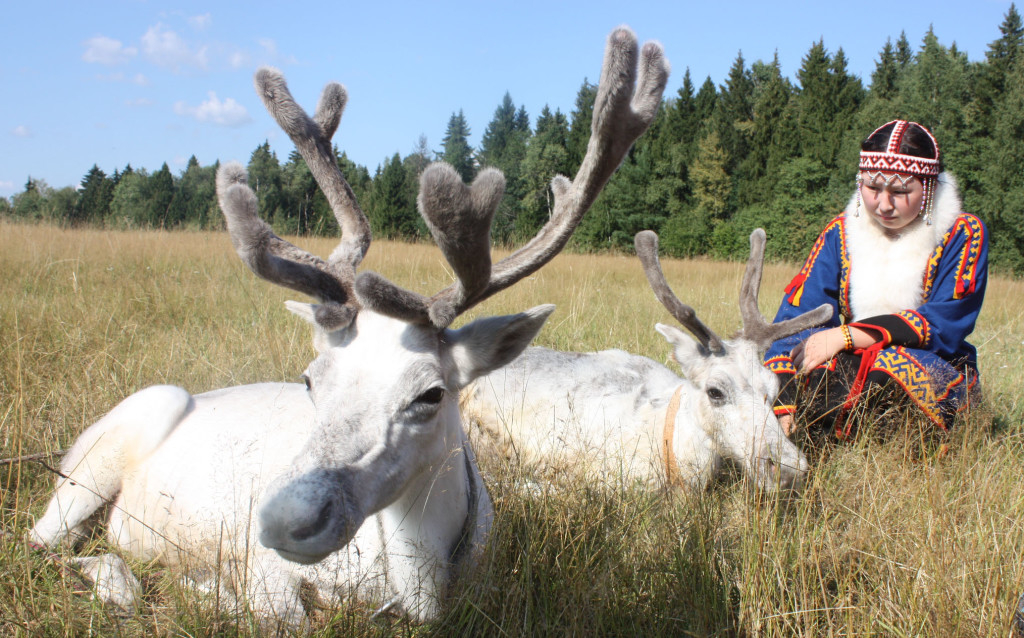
x=627, y=417
x=360, y=482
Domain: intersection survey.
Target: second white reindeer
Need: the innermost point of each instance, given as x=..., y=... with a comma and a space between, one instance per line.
x=627, y=417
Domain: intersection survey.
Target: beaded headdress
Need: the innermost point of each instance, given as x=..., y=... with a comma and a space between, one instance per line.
x=891, y=164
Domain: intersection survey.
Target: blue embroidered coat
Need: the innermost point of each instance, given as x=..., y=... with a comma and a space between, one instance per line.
x=924, y=347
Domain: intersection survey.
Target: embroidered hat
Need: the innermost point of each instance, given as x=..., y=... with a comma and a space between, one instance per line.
x=896, y=158
x=910, y=151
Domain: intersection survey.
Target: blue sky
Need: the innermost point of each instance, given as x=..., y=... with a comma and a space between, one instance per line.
x=133, y=81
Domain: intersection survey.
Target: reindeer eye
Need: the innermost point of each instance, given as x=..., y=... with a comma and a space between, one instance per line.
x=309, y=384
x=432, y=396
x=716, y=396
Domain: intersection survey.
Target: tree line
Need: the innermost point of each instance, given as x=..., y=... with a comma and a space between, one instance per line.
x=719, y=160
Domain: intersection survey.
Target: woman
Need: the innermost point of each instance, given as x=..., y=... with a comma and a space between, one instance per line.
x=905, y=271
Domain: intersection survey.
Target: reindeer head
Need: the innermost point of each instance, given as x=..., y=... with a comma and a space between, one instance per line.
x=737, y=391
x=386, y=379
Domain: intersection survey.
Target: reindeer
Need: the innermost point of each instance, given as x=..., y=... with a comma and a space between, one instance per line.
x=629, y=418
x=360, y=481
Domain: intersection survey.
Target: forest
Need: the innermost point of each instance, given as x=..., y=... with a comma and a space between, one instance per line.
x=761, y=149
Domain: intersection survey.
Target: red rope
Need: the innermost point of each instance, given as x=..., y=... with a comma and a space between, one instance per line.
x=867, y=361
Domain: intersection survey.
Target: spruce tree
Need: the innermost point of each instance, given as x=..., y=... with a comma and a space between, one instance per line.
x=504, y=147
x=457, y=150
x=579, y=129
x=547, y=155
x=883, y=78
x=266, y=179
x=773, y=135
x=735, y=113
x=392, y=214
x=904, y=52
x=161, y=193
x=1000, y=59
x=94, y=198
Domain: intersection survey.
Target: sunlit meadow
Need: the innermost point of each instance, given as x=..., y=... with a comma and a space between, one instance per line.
x=890, y=538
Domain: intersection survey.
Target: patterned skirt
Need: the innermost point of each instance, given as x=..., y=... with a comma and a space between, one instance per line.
x=876, y=382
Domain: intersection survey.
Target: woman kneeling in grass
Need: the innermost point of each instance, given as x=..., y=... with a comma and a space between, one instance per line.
x=905, y=270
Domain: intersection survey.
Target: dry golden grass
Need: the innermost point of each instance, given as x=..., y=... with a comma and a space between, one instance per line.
x=889, y=538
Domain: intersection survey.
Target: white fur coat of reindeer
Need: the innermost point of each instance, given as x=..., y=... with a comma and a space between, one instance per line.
x=626, y=418
x=360, y=482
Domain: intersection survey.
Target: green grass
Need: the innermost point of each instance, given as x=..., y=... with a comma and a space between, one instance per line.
x=891, y=538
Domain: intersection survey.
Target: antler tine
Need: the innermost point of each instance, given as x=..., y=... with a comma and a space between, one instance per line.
x=459, y=216
x=628, y=97
x=312, y=138
x=266, y=254
x=646, y=242
x=755, y=327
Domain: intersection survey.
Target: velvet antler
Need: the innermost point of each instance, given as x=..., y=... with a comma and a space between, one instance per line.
x=628, y=96
x=646, y=242
x=275, y=259
x=755, y=327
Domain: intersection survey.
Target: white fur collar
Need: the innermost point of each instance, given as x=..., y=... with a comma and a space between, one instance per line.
x=887, y=273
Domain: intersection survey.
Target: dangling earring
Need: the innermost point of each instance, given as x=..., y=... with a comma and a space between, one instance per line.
x=857, y=182
x=927, y=198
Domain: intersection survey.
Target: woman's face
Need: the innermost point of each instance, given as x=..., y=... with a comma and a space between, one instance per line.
x=894, y=205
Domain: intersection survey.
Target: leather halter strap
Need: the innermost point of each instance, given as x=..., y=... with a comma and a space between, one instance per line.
x=672, y=477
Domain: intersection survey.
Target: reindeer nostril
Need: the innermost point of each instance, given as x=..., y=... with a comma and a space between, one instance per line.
x=317, y=526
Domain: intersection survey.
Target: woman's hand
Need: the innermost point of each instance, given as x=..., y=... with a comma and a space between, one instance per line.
x=786, y=421
x=817, y=349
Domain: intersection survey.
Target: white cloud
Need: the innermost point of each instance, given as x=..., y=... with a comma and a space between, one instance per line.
x=21, y=131
x=214, y=111
x=166, y=48
x=6, y=186
x=202, y=22
x=104, y=50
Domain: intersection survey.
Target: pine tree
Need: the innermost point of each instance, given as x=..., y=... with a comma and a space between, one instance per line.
x=735, y=114
x=1000, y=202
x=935, y=92
x=1000, y=59
x=504, y=147
x=498, y=135
x=547, y=155
x=161, y=193
x=414, y=164
x=883, y=79
x=392, y=214
x=826, y=102
x=904, y=52
x=773, y=135
x=457, y=150
x=579, y=129
x=93, y=204
x=267, y=180
x=194, y=197
x=706, y=101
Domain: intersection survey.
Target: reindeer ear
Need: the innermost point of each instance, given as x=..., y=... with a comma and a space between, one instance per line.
x=686, y=350
x=492, y=342
x=329, y=320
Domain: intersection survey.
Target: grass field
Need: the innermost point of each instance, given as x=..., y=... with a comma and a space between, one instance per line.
x=889, y=538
